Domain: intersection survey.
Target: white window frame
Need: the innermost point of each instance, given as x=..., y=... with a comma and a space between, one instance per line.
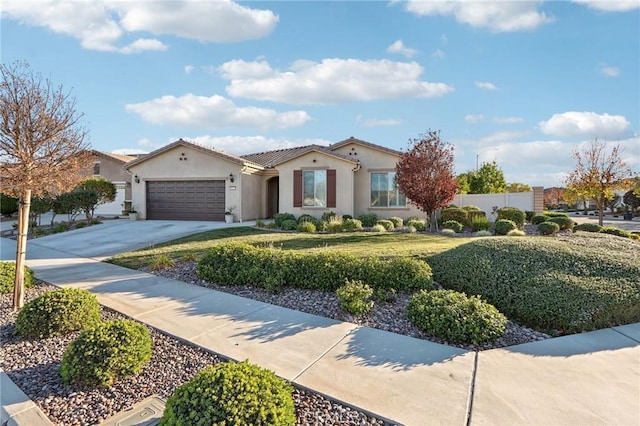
x=393, y=192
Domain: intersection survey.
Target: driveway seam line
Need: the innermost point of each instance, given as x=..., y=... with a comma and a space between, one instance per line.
x=625, y=335
x=472, y=388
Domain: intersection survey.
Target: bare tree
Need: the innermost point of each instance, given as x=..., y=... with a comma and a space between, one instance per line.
x=599, y=171
x=42, y=147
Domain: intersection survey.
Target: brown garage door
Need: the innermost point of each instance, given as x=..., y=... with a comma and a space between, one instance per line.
x=186, y=200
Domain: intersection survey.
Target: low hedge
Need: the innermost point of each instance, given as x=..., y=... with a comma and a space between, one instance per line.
x=539, y=218
x=571, y=283
x=564, y=222
x=8, y=277
x=455, y=317
x=241, y=264
x=554, y=214
x=57, y=313
x=548, y=228
x=588, y=227
x=614, y=230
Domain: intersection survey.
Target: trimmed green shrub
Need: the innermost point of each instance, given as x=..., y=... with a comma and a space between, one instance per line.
x=8, y=277
x=453, y=316
x=306, y=226
x=322, y=226
x=564, y=222
x=388, y=225
x=480, y=223
x=278, y=218
x=453, y=225
x=548, y=228
x=397, y=221
x=419, y=224
x=57, y=313
x=346, y=217
x=539, y=218
x=503, y=226
x=307, y=218
x=516, y=233
x=514, y=214
x=567, y=284
x=448, y=232
x=459, y=215
x=471, y=208
x=242, y=264
x=472, y=214
x=229, y=393
x=289, y=225
x=8, y=205
x=102, y=355
x=528, y=215
x=60, y=227
x=588, y=227
x=408, y=229
x=329, y=216
x=482, y=234
x=378, y=228
x=614, y=230
x=554, y=214
x=368, y=219
x=355, y=297
x=334, y=226
x=351, y=225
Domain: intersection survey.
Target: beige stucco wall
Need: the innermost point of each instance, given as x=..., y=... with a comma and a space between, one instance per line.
x=252, y=192
x=373, y=160
x=197, y=166
x=344, y=183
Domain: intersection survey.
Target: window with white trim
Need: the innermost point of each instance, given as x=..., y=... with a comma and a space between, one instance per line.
x=314, y=188
x=384, y=192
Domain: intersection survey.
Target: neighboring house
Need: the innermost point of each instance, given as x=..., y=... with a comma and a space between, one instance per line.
x=186, y=181
x=111, y=167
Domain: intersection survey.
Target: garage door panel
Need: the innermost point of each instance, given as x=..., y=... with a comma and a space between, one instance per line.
x=186, y=200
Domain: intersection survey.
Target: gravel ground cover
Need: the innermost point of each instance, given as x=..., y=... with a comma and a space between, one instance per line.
x=33, y=366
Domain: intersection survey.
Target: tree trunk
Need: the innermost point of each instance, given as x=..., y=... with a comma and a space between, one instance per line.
x=433, y=221
x=601, y=207
x=23, y=229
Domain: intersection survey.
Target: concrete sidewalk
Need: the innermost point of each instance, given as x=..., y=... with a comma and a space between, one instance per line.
x=591, y=378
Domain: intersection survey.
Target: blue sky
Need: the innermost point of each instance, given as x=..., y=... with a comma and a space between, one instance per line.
x=522, y=83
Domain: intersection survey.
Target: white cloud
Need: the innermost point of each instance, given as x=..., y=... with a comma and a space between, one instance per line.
x=608, y=71
x=241, y=145
x=589, y=124
x=610, y=5
x=102, y=24
x=129, y=151
x=188, y=69
x=330, y=81
x=399, y=47
x=473, y=118
x=438, y=53
x=376, y=122
x=498, y=16
x=485, y=85
x=503, y=136
x=213, y=112
x=508, y=120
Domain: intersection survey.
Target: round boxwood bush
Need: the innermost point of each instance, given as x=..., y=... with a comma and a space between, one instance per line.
x=355, y=297
x=351, y=225
x=471, y=208
x=453, y=316
x=480, y=223
x=514, y=214
x=588, y=227
x=503, y=226
x=57, y=313
x=419, y=224
x=397, y=221
x=548, y=228
x=564, y=222
x=106, y=353
x=539, y=218
x=453, y=225
x=454, y=213
x=239, y=394
x=306, y=226
x=307, y=218
x=368, y=219
x=289, y=225
x=388, y=225
x=8, y=277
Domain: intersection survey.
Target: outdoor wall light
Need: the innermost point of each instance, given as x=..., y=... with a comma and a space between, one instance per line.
x=231, y=177
x=136, y=178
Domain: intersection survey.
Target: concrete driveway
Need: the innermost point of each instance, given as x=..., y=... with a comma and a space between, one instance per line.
x=117, y=236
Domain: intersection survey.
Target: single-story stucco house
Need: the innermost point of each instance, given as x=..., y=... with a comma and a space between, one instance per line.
x=187, y=181
x=110, y=166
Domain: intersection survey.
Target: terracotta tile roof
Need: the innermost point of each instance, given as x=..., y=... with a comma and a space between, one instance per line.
x=364, y=143
x=118, y=157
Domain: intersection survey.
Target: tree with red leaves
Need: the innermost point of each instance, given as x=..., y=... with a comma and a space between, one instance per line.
x=425, y=174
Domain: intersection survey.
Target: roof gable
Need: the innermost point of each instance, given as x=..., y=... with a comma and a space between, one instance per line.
x=117, y=157
x=353, y=140
x=272, y=159
x=206, y=150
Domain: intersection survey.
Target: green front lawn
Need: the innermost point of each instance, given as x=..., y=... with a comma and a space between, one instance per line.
x=359, y=244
